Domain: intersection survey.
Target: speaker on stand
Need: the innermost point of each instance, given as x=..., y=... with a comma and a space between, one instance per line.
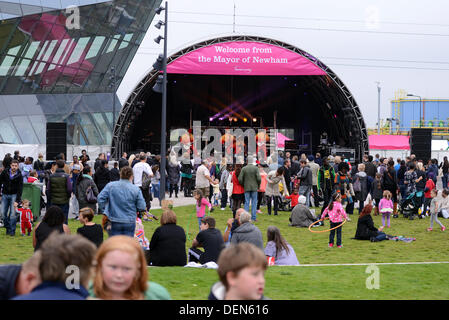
x=56, y=140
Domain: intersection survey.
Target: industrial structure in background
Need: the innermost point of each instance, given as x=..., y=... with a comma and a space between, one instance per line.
x=413, y=111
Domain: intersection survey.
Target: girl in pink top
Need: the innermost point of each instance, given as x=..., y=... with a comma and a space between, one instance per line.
x=201, y=204
x=386, y=207
x=336, y=214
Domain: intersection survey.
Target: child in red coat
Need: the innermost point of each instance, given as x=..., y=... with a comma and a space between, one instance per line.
x=294, y=196
x=26, y=217
x=430, y=185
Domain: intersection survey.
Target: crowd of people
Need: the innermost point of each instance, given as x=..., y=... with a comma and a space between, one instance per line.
x=124, y=193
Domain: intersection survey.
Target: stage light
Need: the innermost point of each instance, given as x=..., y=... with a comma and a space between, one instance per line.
x=159, y=24
x=244, y=119
x=230, y=119
x=235, y=119
x=159, y=64
x=211, y=119
x=158, y=86
x=158, y=39
x=159, y=10
x=254, y=119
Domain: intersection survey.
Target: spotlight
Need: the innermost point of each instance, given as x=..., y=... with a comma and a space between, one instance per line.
x=158, y=39
x=235, y=119
x=159, y=64
x=230, y=119
x=211, y=119
x=254, y=119
x=159, y=24
x=244, y=119
x=159, y=10
x=158, y=86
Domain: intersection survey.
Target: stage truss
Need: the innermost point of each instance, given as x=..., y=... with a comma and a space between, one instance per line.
x=353, y=118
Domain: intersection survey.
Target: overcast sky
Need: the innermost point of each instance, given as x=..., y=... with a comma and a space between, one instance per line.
x=403, y=44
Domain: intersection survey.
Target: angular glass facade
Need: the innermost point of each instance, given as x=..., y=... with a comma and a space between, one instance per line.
x=56, y=62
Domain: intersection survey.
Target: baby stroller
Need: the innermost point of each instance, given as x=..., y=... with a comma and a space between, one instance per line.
x=411, y=205
x=284, y=204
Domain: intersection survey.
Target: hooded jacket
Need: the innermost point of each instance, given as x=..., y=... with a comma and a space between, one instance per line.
x=248, y=232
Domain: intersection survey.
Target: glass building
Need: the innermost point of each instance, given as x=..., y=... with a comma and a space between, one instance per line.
x=61, y=61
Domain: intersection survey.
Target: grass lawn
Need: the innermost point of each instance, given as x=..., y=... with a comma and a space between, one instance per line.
x=398, y=281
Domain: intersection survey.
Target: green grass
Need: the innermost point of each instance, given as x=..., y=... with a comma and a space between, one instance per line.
x=423, y=281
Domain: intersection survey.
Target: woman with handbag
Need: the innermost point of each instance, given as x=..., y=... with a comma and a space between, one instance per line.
x=86, y=190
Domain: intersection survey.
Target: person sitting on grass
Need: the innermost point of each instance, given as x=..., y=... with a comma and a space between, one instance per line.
x=279, y=249
x=121, y=272
x=168, y=243
x=232, y=224
x=210, y=239
x=365, y=226
x=52, y=221
x=90, y=230
x=62, y=256
x=302, y=216
x=241, y=270
x=19, y=279
x=247, y=232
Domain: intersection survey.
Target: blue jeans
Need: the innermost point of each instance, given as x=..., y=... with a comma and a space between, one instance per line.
x=251, y=196
x=444, y=180
x=65, y=210
x=305, y=191
x=155, y=188
x=9, y=213
x=332, y=233
x=199, y=222
x=125, y=229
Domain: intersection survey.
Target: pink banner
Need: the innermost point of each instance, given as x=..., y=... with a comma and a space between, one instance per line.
x=389, y=142
x=244, y=58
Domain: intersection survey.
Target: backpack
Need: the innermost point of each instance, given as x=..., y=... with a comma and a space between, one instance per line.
x=357, y=186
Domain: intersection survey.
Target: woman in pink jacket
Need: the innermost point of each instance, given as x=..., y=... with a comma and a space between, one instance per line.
x=336, y=214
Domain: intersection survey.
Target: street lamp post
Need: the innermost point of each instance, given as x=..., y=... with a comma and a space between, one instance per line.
x=157, y=88
x=420, y=107
x=113, y=85
x=378, y=107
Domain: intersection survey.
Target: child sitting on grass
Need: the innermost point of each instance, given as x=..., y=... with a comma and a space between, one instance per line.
x=434, y=208
x=336, y=214
x=386, y=207
x=241, y=269
x=90, y=230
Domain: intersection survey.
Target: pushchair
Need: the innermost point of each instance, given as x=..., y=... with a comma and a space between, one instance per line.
x=411, y=205
x=284, y=204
